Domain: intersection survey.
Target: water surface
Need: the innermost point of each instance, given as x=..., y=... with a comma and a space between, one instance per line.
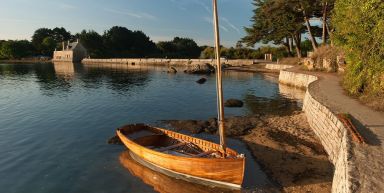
x=55, y=120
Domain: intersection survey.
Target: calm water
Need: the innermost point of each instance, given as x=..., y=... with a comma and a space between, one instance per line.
x=55, y=120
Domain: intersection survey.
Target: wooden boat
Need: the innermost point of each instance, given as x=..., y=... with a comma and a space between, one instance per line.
x=161, y=182
x=190, y=157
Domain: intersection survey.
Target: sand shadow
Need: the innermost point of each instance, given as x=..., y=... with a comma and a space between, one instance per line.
x=292, y=169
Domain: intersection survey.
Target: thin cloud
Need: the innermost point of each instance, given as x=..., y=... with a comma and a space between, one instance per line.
x=230, y=24
x=141, y=15
x=182, y=3
x=67, y=6
x=206, y=7
x=209, y=20
x=14, y=20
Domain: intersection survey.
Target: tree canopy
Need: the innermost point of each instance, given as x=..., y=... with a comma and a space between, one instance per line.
x=15, y=49
x=94, y=43
x=122, y=42
x=117, y=42
x=55, y=36
x=282, y=22
x=179, y=48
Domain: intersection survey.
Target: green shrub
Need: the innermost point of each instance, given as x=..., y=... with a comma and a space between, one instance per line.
x=359, y=30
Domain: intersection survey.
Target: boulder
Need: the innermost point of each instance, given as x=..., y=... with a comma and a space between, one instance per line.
x=238, y=126
x=211, y=126
x=200, y=69
x=329, y=65
x=201, y=80
x=115, y=140
x=192, y=126
x=234, y=126
x=309, y=63
x=172, y=70
x=224, y=66
x=233, y=103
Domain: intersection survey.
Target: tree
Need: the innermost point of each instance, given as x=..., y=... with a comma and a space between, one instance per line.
x=60, y=34
x=122, y=42
x=16, y=49
x=39, y=36
x=56, y=35
x=93, y=42
x=275, y=21
x=179, y=48
x=283, y=22
x=308, y=8
x=207, y=53
x=48, y=46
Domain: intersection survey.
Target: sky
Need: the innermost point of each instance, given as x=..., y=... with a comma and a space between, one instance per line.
x=161, y=20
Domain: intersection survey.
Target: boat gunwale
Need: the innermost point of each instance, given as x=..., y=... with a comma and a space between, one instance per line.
x=227, y=159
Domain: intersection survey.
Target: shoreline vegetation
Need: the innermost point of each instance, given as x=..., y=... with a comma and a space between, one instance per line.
x=120, y=42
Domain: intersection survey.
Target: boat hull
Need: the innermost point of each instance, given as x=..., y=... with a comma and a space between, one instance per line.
x=225, y=171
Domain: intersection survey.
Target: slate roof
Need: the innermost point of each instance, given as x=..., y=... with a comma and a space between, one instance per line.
x=72, y=45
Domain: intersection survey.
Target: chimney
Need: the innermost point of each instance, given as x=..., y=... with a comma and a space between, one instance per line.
x=63, y=45
x=68, y=45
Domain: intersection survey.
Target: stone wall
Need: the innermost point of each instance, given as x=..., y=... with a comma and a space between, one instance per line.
x=296, y=79
x=331, y=132
x=159, y=61
x=277, y=66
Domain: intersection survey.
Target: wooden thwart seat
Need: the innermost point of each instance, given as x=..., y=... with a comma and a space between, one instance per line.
x=172, y=147
x=204, y=154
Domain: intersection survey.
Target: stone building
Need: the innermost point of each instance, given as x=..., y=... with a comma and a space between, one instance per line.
x=72, y=52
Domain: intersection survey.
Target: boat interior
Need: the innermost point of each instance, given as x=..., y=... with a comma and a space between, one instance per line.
x=172, y=143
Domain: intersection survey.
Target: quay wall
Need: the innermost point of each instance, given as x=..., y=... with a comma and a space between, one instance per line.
x=173, y=62
x=277, y=66
x=332, y=133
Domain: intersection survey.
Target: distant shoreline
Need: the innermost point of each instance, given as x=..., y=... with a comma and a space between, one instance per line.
x=25, y=61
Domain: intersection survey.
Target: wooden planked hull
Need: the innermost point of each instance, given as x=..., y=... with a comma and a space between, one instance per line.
x=225, y=171
x=164, y=183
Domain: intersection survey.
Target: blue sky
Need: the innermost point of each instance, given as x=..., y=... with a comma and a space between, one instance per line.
x=159, y=19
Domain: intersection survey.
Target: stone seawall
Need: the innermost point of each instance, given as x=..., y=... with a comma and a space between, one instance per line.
x=296, y=79
x=330, y=130
x=277, y=66
x=175, y=62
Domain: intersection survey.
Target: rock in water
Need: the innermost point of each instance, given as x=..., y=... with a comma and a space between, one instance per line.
x=115, y=140
x=212, y=126
x=224, y=66
x=192, y=126
x=172, y=70
x=200, y=69
x=201, y=80
x=233, y=103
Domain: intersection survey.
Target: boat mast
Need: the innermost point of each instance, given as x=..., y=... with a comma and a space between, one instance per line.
x=219, y=88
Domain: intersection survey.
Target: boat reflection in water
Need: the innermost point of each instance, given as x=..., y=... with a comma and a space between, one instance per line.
x=163, y=183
